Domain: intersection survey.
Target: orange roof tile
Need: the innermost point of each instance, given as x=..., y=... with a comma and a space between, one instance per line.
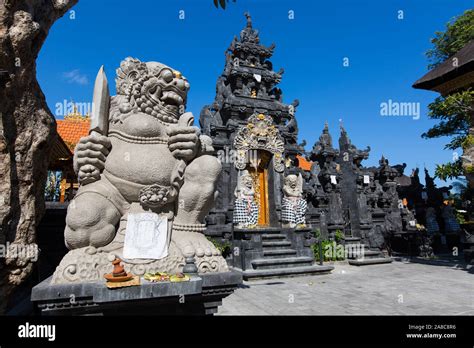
x=73, y=130
x=303, y=163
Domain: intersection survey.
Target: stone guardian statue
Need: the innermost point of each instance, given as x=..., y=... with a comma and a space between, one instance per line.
x=294, y=206
x=245, y=207
x=147, y=180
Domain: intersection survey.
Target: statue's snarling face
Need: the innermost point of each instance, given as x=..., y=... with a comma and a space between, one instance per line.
x=247, y=181
x=152, y=88
x=291, y=186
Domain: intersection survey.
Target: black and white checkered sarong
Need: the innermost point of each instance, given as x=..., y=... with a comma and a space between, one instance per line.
x=451, y=225
x=245, y=212
x=432, y=225
x=293, y=210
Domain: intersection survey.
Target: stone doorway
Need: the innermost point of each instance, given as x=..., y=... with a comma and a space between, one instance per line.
x=258, y=169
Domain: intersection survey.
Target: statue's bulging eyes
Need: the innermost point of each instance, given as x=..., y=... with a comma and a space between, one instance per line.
x=152, y=90
x=167, y=76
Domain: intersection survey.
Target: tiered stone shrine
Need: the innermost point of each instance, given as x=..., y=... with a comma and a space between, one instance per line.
x=255, y=134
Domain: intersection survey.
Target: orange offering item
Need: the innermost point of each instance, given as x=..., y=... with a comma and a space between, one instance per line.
x=118, y=274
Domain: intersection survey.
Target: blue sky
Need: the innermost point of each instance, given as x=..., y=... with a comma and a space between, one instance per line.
x=386, y=55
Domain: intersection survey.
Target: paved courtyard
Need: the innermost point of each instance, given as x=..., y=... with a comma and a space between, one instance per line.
x=399, y=288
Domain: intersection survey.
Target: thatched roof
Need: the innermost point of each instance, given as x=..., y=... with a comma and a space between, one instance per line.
x=449, y=70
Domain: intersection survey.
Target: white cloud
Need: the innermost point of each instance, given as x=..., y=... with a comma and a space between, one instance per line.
x=75, y=76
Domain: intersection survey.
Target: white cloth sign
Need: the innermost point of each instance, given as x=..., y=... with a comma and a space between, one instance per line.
x=146, y=236
x=333, y=180
x=366, y=179
x=257, y=77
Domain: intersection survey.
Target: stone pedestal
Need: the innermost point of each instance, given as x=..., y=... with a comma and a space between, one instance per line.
x=202, y=295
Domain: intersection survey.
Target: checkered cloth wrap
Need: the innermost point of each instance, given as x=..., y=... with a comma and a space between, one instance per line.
x=451, y=225
x=245, y=211
x=432, y=226
x=293, y=210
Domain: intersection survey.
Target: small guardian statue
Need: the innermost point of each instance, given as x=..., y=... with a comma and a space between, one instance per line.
x=245, y=207
x=293, y=205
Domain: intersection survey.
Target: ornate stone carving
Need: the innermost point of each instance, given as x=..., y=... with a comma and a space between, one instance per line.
x=259, y=134
x=90, y=264
x=155, y=195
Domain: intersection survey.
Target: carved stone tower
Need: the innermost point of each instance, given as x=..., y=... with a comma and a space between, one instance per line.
x=255, y=132
x=249, y=104
x=352, y=192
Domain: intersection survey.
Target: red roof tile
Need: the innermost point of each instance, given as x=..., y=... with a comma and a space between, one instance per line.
x=73, y=130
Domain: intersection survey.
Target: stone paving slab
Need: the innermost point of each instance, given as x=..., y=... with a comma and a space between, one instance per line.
x=399, y=288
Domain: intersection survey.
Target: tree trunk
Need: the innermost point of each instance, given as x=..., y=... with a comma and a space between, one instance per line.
x=27, y=131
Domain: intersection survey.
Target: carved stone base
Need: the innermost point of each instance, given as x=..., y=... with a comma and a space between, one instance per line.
x=211, y=264
x=90, y=264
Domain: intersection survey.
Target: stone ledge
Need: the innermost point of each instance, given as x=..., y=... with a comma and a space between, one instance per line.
x=202, y=294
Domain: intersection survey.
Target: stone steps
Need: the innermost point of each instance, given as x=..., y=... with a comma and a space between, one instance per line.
x=370, y=257
x=278, y=252
x=370, y=261
x=285, y=262
x=286, y=272
x=352, y=240
x=273, y=236
x=273, y=244
x=371, y=253
x=368, y=253
x=281, y=259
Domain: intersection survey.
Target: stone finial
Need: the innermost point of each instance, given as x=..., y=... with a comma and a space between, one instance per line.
x=249, y=19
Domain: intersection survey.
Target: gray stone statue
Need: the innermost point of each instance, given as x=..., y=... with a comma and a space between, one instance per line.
x=146, y=180
x=294, y=206
x=245, y=207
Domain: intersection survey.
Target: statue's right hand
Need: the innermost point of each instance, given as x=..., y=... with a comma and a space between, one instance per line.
x=89, y=157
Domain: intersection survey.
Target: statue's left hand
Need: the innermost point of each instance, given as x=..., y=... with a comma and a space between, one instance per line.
x=183, y=141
